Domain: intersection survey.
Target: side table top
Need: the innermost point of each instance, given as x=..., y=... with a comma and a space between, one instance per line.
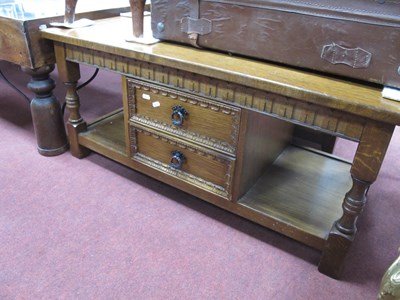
x=20, y=41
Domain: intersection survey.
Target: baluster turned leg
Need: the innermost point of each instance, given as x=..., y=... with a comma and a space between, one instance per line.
x=47, y=119
x=366, y=165
x=343, y=230
x=69, y=73
x=75, y=124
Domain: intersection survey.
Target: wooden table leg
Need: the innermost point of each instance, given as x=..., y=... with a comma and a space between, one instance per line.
x=70, y=7
x=69, y=73
x=46, y=113
x=137, y=10
x=366, y=165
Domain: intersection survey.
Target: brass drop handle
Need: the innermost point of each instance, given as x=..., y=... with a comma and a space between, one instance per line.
x=177, y=160
x=179, y=114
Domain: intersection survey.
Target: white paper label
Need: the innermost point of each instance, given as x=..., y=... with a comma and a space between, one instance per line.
x=391, y=93
x=156, y=104
x=146, y=97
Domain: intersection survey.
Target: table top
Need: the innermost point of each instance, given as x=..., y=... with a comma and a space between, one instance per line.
x=109, y=35
x=20, y=20
x=33, y=9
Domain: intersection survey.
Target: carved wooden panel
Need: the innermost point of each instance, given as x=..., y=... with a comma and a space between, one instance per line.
x=201, y=167
x=208, y=123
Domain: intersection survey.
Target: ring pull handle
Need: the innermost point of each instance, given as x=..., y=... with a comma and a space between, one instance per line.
x=177, y=160
x=179, y=114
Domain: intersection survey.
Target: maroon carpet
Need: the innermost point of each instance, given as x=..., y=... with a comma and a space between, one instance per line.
x=93, y=229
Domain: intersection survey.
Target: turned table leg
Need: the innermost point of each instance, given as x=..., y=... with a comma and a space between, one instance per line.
x=366, y=165
x=46, y=113
x=75, y=124
x=69, y=73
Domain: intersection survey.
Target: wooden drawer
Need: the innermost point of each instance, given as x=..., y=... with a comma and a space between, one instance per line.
x=198, y=165
x=208, y=123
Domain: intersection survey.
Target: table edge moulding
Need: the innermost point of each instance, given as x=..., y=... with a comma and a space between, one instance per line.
x=306, y=194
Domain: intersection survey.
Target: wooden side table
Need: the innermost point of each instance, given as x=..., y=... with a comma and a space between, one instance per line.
x=20, y=43
x=310, y=196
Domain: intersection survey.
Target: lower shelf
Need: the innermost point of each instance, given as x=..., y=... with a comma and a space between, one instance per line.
x=106, y=135
x=300, y=195
x=303, y=190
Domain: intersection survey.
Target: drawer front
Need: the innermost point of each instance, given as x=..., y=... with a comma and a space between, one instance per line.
x=196, y=165
x=209, y=123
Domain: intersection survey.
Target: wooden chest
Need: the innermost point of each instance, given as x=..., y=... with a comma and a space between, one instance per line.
x=358, y=39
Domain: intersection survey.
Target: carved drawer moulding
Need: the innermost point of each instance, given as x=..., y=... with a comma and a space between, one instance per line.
x=223, y=190
x=232, y=112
